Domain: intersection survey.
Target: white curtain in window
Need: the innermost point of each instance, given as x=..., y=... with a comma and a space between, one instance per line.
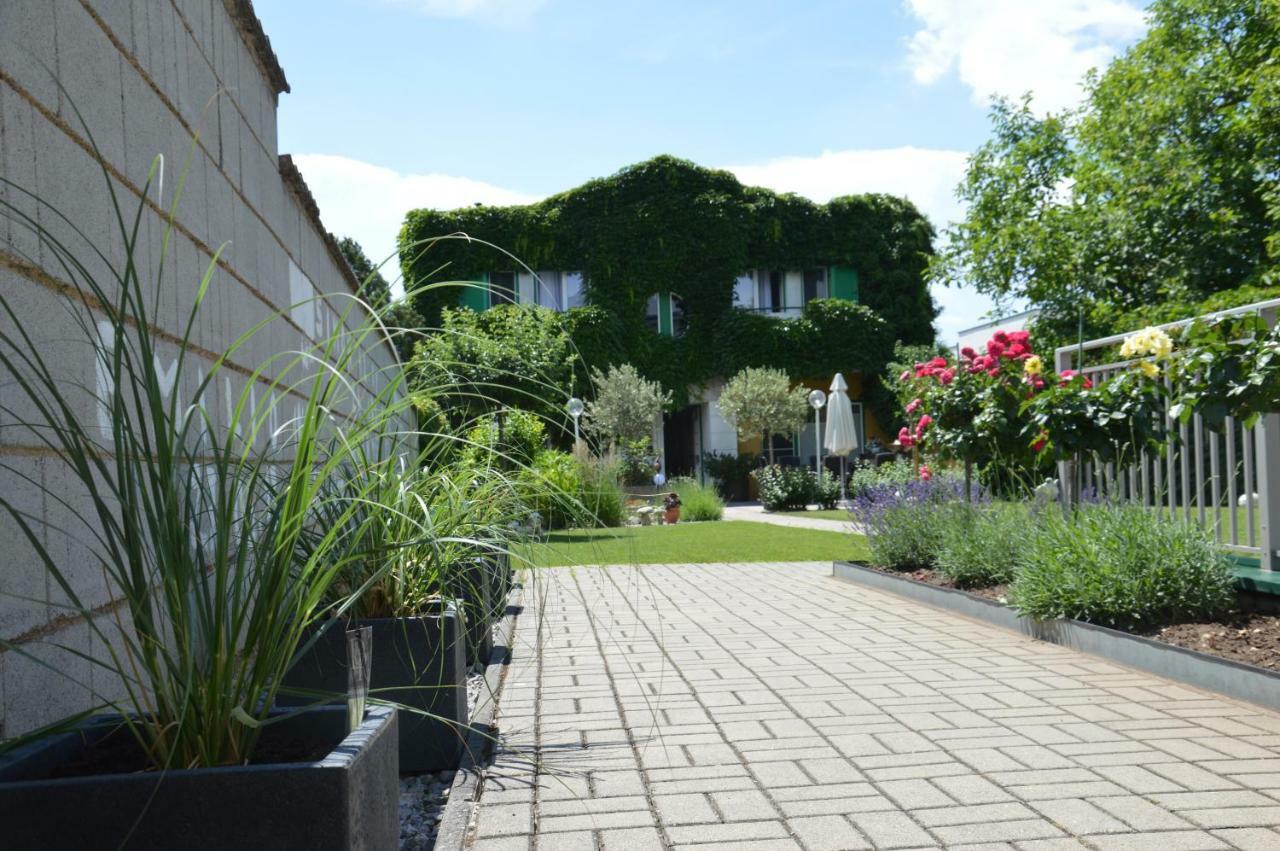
x=571, y=290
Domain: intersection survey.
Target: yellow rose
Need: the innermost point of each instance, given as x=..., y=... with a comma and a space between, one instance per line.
x=1033, y=365
x=1149, y=369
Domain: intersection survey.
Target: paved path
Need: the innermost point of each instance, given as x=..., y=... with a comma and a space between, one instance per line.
x=756, y=514
x=771, y=706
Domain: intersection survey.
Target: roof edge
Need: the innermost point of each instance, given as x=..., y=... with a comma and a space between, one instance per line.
x=250, y=27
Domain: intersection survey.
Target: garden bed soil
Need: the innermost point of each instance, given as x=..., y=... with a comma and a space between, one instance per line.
x=118, y=752
x=1247, y=636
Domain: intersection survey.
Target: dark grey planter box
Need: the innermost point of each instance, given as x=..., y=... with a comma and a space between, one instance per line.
x=416, y=662
x=476, y=585
x=348, y=800
x=1225, y=676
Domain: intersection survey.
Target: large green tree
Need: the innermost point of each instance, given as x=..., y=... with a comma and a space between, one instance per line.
x=373, y=287
x=1162, y=189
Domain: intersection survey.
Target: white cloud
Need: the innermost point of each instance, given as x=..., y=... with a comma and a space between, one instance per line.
x=368, y=202
x=1007, y=47
x=491, y=10
x=928, y=177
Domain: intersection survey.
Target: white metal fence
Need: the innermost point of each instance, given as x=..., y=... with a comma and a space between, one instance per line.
x=1227, y=480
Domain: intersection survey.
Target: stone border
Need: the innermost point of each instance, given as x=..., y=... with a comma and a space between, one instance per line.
x=455, y=822
x=1212, y=673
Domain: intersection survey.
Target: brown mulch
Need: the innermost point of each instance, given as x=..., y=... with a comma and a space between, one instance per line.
x=933, y=577
x=1249, y=637
x=1244, y=636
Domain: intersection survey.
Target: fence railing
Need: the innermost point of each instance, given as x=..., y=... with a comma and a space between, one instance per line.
x=1226, y=479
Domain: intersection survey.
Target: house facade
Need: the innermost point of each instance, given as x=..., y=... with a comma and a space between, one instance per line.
x=697, y=277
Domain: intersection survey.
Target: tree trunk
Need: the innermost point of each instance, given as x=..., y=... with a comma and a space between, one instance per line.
x=769, y=446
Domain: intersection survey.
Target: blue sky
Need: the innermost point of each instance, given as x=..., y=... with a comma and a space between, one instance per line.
x=405, y=103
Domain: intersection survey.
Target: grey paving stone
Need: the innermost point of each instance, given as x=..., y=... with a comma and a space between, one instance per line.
x=769, y=706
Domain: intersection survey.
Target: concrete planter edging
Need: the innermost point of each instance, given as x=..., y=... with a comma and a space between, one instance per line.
x=467, y=785
x=1233, y=679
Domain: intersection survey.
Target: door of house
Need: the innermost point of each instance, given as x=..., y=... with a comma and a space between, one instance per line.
x=679, y=434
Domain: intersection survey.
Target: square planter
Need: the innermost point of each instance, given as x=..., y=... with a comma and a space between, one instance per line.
x=417, y=662
x=476, y=584
x=348, y=800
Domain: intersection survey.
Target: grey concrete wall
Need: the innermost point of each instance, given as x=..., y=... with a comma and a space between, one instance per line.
x=146, y=76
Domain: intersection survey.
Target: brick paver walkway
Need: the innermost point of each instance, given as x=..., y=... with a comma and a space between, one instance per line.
x=771, y=706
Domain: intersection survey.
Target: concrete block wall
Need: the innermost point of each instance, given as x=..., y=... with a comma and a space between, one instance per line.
x=135, y=80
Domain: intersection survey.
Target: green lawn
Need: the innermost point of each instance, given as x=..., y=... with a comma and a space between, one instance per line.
x=820, y=514
x=693, y=542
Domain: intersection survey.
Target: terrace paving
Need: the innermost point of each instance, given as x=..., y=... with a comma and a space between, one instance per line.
x=771, y=706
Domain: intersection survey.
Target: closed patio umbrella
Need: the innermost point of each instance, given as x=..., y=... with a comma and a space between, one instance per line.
x=841, y=436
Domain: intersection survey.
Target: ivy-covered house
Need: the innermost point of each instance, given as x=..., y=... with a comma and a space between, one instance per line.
x=691, y=276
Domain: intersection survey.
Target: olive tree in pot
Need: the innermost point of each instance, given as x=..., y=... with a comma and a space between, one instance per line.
x=194, y=511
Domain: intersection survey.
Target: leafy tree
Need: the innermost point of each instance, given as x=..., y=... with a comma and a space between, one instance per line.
x=762, y=401
x=373, y=287
x=506, y=357
x=1163, y=188
x=626, y=404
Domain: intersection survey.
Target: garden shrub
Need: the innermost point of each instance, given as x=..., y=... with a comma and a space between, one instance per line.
x=568, y=493
x=784, y=488
x=825, y=490
x=904, y=523
x=637, y=460
x=900, y=471
x=698, y=501
x=730, y=472
x=1123, y=566
x=982, y=544
x=514, y=442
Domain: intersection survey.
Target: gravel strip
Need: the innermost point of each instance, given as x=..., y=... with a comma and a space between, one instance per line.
x=422, y=798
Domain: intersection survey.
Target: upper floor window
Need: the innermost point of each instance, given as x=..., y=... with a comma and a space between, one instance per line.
x=744, y=290
x=815, y=284
x=550, y=290
x=770, y=295
x=502, y=288
x=678, y=321
x=652, y=310
x=572, y=290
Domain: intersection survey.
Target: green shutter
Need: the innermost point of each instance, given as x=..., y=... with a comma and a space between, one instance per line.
x=844, y=283
x=476, y=296
x=664, y=314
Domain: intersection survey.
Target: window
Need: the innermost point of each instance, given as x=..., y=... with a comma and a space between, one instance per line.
x=678, y=323
x=744, y=290
x=502, y=288
x=770, y=292
x=783, y=446
x=549, y=290
x=572, y=293
x=651, y=313
x=815, y=284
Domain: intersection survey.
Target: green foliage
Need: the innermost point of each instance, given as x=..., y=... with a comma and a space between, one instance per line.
x=669, y=225
x=1161, y=190
x=761, y=401
x=794, y=488
x=697, y=501
x=507, y=357
x=730, y=472
x=908, y=533
x=509, y=439
x=1123, y=566
x=981, y=544
x=636, y=465
x=863, y=476
x=374, y=288
x=568, y=493
x=626, y=406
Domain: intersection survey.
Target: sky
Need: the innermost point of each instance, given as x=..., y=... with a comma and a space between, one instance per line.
x=398, y=104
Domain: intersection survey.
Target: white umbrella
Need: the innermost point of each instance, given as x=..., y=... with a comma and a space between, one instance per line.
x=841, y=437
